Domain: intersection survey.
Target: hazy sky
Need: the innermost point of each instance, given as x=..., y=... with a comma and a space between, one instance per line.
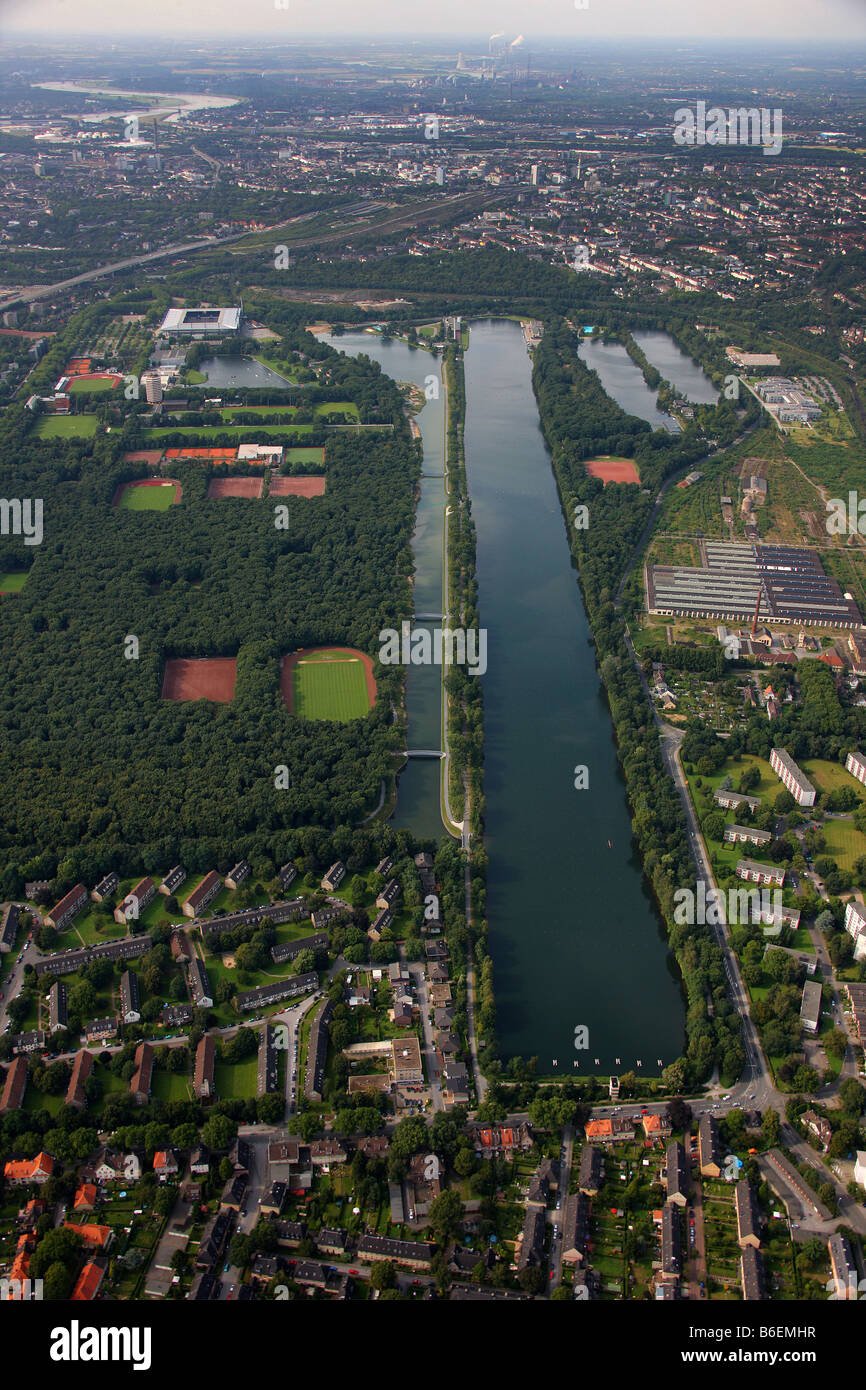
x=784, y=20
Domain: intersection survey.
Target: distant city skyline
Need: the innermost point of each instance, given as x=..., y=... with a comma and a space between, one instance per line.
x=787, y=21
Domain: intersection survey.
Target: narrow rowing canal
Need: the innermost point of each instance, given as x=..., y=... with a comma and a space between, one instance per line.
x=418, y=803
x=574, y=935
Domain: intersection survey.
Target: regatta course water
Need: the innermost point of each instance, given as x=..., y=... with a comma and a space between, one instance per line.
x=574, y=936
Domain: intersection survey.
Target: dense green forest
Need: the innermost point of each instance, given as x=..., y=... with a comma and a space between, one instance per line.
x=98, y=771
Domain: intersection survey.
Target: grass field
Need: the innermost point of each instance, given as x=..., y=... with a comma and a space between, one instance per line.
x=13, y=583
x=329, y=686
x=828, y=777
x=236, y=1082
x=205, y=432
x=66, y=427
x=147, y=498
x=306, y=454
x=92, y=386
x=845, y=843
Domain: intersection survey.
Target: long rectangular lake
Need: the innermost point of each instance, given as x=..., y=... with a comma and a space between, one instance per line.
x=574, y=935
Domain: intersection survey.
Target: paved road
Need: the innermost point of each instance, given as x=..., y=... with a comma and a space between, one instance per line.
x=349, y=230
x=566, y=1154
x=428, y=1048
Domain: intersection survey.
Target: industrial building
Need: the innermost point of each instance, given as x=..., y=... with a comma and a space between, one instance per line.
x=743, y=582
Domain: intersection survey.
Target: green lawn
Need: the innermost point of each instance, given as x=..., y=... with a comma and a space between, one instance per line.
x=829, y=777
x=305, y=454
x=136, y=497
x=845, y=844
x=12, y=582
x=207, y=432
x=330, y=689
x=102, y=385
x=66, y=427
x=170, y=1085
x=237, y=1082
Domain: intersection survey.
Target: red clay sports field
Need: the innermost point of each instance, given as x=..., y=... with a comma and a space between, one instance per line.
x=200, y=678
x=612, y=470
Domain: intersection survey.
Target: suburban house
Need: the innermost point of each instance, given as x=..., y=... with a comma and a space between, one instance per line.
x=203, y=894
x=656, y=1126
x=70, y=962
x=317, y=1051
x=747, y=834
x=855, y=926
x=329, y=916
x=819, y=1126
x=389, y=895
x=760, y=873
x=591, y=1170
x=199, y=984
x=671, y=1266
x=334, y=877
x=24, y=1170
x=575, y=1227
x=139, y=1082
x=856, y=763
x=205, y=1062
x=172, y=881
x=810, y=1008
x=76, y=1096
x=501, y=1141
x=843, y=1267
x=748, y=1219
x=380, y=923
x=68, y=908
x=709, y=1148
x=287, y=950
x=793, y=777
x=218, y=927
x=676, y=1176
x=14, y=1086
x=175, y=1015
x=136, y=900
x=264, y=995
x=406, y=1061
x=611, y=1129
x=165, y=1164
x=752, y=1279
x=267, y=1072
x=88, y=1283
x=287, y=874
x=98, y=1029
x=9, y=926
x=58, y=1000
x=241, y=871
x=529, y=1247
x=414, y=1254
x=733, y=800
x=105, y=887
x=130, y=1000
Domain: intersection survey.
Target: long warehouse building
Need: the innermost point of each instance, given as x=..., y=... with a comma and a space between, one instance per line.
x=785, y=584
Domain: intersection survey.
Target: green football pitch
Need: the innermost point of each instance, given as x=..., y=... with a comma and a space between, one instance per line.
x=330, y=689
x=147, y=499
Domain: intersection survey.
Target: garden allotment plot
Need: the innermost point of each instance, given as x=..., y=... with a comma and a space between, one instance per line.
x=330, y=683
